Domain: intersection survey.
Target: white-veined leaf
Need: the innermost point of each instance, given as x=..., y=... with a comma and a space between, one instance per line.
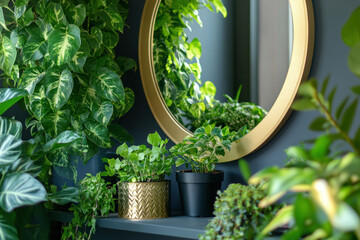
x=7, y=228
x=56, y=122
x=39, y=105
x=97, y=133
x=10, y=149
x=30, y=78
x=102, y=112
x=7, y=55
x=2, y=19
x=64, y=138
x=78, y=61
x=31, y=50
x=67, y=195
x=11, y=127
x=76, y=15
x=58, y=88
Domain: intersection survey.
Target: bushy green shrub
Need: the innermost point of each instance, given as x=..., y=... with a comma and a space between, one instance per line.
x=237, y=215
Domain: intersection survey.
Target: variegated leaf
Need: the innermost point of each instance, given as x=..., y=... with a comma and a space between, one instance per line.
x=2, y=19
x=27, y=18
x=108, y=85
x=97, y=133
x=26, y=165
x=66, y=195
x=11, y=127
x=9, y=96
x=96, y=41
x=78, y=61
x=98, y=3
x=64, y=42
x=7, y=55
x=44, y=27
x=20, y=189
x=10, y=149
x=55, y=14
x=122, y=108
x=103, y=112
x=76, y=15
x=55, y=123
x=64, y=138
x=30, y=78
x=18, y=38
x=19, y=11
x=58, y=88
x=112, y=17
x=31, y=50
x=111, y=39
x=38, y=103
x=7, y=227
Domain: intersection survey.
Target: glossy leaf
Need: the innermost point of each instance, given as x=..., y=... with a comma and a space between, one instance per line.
x=19, y=11
x=7, y=55
x=76, y=15
x=11, y=127
x=129, y=102
x=9, y=96
x=31, y=50
x=55, y=14
x=63, y=139
x=103, y=112
x=108, y=84
x=112, y=17
x=26, y=165
x=154, y=139
x=18, y=38
x=56, y=122
x=20, y=189
x=111, y=39
x=348, y=116
x=64, y=42
x=27, y=18
x=7, y=226
x=58, y=88
x=354, y=59
x=39, y=105
x=66, y=195
x=97, y=133
x=78, y=61
x=10, y=149
x=30, y=78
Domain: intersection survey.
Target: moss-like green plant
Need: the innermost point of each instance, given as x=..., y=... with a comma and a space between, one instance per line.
x=237, y=215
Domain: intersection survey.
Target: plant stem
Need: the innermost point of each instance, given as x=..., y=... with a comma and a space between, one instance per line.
x=333, y=122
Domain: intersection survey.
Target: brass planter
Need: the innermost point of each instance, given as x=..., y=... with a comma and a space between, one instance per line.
x=143, y=200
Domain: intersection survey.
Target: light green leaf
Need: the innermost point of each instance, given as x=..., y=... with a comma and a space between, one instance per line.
x=10, y=149
x=98, y=134
x=63, y=139
x=112, y=17
x=7, y=55
x=78, y=61
x=20, y=189
x=31, y=50
x=321, y=147
x=108, y=85
x=219, y=6
x=19, y=11
x=354, y=59
x=194, y=49
x=30, y=78
x=154, y=139
x=64, y=42
x=39, y=105
x=58, y=88
x=9, y=96
x=103, y=112
x=208, y=89
x=26, y=165
x=2, y=19
x=244, y=169
x=76, y=15
x=66, y=195
x=351, y=30
x=11, y=127
x=346, y=218
x=55, y=14
x=18, y=38
x=348, y=116
x=57, y=122
x=303, y=104
x=7, y=228
x=111, y=39
x=120, y=134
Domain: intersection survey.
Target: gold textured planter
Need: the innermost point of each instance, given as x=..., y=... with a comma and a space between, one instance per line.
x=143, y=200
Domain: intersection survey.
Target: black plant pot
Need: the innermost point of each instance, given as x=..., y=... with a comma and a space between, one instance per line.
x=198, y=192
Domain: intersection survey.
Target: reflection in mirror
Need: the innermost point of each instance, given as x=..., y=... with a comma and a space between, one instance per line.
x=210, y=60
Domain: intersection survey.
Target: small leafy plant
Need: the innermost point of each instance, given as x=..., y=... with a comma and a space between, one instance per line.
x=237, y=215
x=96, y=201
x=140, y=163
x=201, y=151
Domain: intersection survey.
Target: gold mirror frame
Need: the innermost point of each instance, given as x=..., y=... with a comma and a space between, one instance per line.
x=301, y=58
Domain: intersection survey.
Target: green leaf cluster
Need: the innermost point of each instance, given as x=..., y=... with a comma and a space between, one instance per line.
x=202, y=150
x=96, y=201
x=140, y=163
x=60, y=55
x=237, y=214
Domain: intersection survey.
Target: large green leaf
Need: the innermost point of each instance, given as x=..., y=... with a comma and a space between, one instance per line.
x=2, y=19
x=26, y=165
x=351, y=30
x=19, y=11
x=76, y=15
x=58, y=88
x=103, y=112
x=97, y=133
x=64, y=42
x=67, y=195
x=112, y=17
x=10, y=149
x=20, y=189
x=64, y=139
x=120, y=134
x=7, y=55
x=9, y=96
x=78, y=61
x=31, y=50
x=111, y=39
x=18, y=38
x=30, y=78
x=39, y=105
x=27, y=18
x=55, y=123
x=55, y=14
x=11, y=127
x=7, y=228
x=108, y=85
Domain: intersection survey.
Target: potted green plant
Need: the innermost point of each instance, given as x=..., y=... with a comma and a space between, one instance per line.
x=143, y=190
x=198, y=187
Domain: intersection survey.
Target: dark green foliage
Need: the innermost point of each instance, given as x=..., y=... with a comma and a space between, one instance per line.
x=202, y=150
x=96, y=201
x=141, y=164
x=237, y=215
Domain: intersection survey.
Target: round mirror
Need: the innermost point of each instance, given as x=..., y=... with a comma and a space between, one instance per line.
x=300, y=45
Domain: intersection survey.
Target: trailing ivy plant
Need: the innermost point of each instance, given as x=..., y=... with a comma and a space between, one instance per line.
x=178, y=78
x=140, y=163
x=96, y=201
x=324, y=177
x=62, y=53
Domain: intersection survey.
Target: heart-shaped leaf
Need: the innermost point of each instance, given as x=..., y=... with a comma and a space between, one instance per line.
x=31, y=50
x=120, y=134
x=20, y=189
x=39, y=105
x=55, y=14
x=30, y=78
x=97, y=133
x=103, y=112
x=112, y=17
x=56, y=122
x=9, y=96
x=64, y=138
x=66, y=195
x=2, y=19
x=78, y=61
x=10, y=149
x=11, y=127
x=7, y=55
x=76, y=15
x=64, y=42
x=58, y=88
x=96, y=41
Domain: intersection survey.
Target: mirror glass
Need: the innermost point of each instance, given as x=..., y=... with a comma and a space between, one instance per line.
x=222, y=63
